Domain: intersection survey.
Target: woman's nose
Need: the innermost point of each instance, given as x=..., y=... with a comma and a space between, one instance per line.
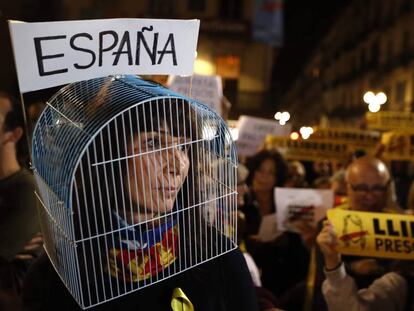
x=174, y=161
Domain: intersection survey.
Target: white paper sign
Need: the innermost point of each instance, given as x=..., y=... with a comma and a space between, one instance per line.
x=268, y=230
x=253, y=131
x=297, y=204
x=206, y=89
x=56, y=53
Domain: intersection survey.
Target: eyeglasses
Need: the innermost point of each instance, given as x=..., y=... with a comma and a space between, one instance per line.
x=364, y=188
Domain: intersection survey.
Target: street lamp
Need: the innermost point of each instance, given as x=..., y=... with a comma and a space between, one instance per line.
x=282, y=117
x=306, y=132
x=374, y=101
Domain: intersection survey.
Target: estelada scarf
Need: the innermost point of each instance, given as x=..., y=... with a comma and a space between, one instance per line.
x=140, y=255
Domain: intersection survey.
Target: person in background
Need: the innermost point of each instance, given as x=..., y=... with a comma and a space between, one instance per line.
x=296, y=175
x=283, y=260
x=368, y=186
x=338, y=186
x=19, y=243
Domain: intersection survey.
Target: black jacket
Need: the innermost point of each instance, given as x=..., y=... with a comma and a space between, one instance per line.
x=220, y=284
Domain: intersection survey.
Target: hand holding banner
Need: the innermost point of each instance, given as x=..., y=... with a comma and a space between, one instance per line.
x=373, y=234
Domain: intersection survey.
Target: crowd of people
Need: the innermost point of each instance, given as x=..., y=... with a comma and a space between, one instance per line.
x=298, y=269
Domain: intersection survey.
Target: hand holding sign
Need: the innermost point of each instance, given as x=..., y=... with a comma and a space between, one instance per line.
x=328, y=243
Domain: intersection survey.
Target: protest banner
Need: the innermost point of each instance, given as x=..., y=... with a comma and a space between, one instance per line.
x=206, y=89
x=309, y=150
x=389, y=120
x=304, y=205
x=398, y=145
x=253, y=131
x=373, y=234
x=357, y=139
x=55, y=53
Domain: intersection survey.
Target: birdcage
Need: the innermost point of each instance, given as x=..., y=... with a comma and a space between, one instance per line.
x=136, y=184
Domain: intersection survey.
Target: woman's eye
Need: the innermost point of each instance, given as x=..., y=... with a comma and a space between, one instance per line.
x=153, y=142
x=182, y=147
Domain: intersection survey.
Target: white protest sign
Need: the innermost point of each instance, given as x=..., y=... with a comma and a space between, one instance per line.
x=206, y=89
x=56, y=53
x=253, y=131
x=298, y=204
x=268, y=228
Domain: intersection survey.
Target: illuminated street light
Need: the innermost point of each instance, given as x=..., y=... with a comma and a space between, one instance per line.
x=374, y=107
x=369, y=97
x=294, y=136
x=381, y=98
x=375, y=101
x=285, y=116
x=306, y=132
x=282, y=117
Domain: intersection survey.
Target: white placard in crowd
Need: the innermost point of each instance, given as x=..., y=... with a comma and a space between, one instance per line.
x=206, y=89
x=298, y=204
x=253, y=131
x=55, y=53
x=268, y=230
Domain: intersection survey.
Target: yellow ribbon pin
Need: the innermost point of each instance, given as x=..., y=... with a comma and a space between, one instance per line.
x=180, y=301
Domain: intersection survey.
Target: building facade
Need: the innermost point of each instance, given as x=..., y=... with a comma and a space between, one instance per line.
x=370, y=47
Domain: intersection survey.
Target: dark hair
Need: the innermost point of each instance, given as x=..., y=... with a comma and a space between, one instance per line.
x=14, y=117
x=13, y=120
x=253, y=164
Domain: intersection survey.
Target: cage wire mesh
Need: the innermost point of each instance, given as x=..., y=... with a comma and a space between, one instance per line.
x=136, y=184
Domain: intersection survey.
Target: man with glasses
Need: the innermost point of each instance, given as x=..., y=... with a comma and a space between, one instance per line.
x=361, y=283
x=368, y=181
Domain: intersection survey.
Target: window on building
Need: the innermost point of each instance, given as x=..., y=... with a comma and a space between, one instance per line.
x=228, y=66
x=231, y=9
x=196, y=5
x=405, y=41
x=161, y=8
x=362, y=58
x=400, y=94
x=375, y=53
x=389, y=51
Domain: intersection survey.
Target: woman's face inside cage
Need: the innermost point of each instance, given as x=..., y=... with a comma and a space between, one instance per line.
x=138, y=164
x=157, y=171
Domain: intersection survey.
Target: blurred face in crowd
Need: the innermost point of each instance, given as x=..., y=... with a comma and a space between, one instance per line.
x=157, y=173
x=5, y=107
x=264, y=178
x=297, y=174
x=367, y=184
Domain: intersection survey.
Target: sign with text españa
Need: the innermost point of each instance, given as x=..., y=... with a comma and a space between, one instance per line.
x=374, y=234
x=55, y=53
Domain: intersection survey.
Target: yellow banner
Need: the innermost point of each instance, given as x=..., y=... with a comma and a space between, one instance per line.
x=374, y=234
x=314, y=149
x=399, y=145
x=308, y=150
x=390, y=120
x=356, y=138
